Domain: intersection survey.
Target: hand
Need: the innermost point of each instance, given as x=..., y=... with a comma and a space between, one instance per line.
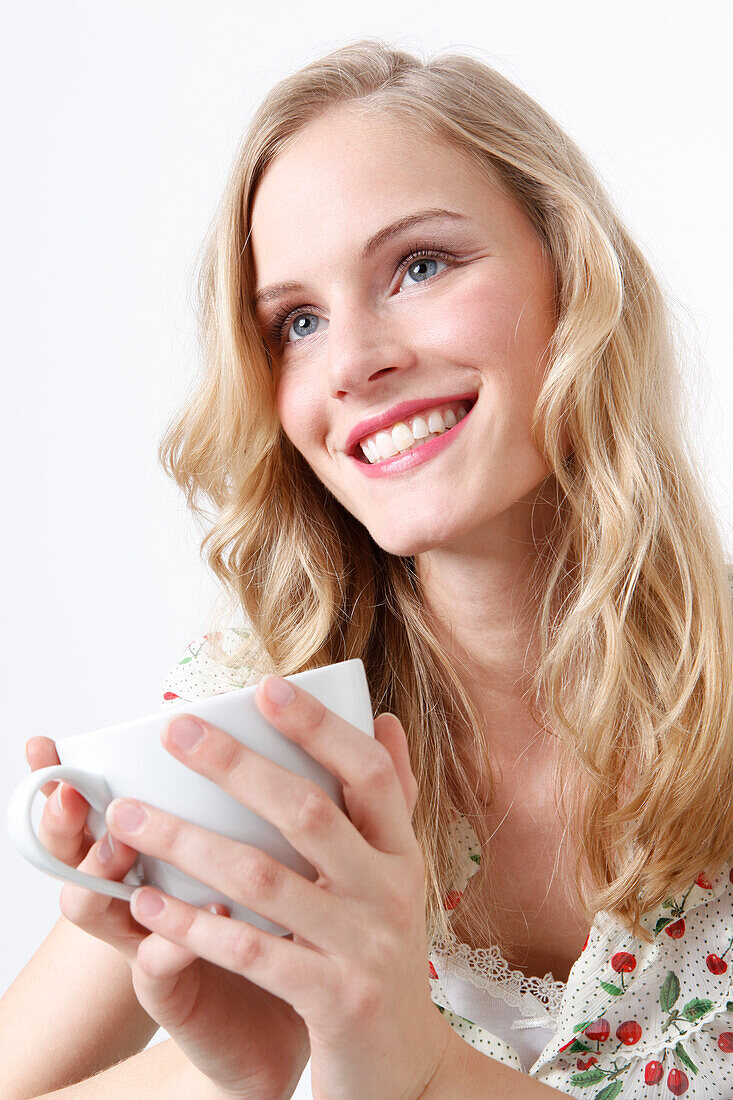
x=62, y=831
x=356, y=970
x=273, y=1036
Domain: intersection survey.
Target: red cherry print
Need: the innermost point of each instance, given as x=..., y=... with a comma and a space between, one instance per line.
x=171, y=695
x=623, y=962
x=598, y=1031
x=586, y=1063
x=716, y=965
x=703, y=882
x=433, y=972
x=585, y=944
x=678, y=1082
x=725, y=1041
x=452, y=898
x=653, y=1073
x=674, y=931
x=730, y=874
x=566, y=1045
x=629, y=1032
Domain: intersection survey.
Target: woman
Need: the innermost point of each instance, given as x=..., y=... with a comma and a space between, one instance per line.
x=472, y=474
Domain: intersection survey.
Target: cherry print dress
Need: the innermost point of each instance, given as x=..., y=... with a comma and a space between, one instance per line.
x=633, y=1020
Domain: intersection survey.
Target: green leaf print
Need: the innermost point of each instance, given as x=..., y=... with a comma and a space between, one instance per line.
x=668, y=903
x=670, y=991
x=696, y=1008
x=660, y=924
x=611, y=1091
x=579, y=1047
x=476, y=857
x=185, y=660
x=611, y=988
x=684, y=1057
x=587, y=1077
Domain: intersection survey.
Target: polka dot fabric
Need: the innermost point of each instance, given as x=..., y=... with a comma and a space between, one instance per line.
x=636, y=1020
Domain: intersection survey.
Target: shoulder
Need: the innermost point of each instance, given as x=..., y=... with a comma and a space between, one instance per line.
x=199, y=672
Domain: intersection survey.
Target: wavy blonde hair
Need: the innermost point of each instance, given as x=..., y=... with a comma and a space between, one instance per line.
x=631, y=584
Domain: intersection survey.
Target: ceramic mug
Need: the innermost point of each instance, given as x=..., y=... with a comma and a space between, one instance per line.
x=129, y=761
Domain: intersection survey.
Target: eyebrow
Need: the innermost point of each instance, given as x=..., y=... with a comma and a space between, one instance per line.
x=279, y=290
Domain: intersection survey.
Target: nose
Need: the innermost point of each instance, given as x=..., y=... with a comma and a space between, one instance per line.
x=362, y=348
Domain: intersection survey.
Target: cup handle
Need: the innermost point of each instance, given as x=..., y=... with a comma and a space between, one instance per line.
x=20, y=826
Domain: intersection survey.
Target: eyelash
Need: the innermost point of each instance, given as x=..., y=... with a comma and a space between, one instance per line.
x=418, y=252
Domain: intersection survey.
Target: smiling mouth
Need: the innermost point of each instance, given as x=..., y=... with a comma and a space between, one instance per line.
x=400, y=439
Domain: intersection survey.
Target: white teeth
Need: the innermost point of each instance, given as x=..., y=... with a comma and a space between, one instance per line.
x=436, y=422
x=403, y=437
x=384, y=445
x=370, y=450
x=420, y=428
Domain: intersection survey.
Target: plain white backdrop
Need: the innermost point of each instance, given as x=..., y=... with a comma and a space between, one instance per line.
x=119, y=124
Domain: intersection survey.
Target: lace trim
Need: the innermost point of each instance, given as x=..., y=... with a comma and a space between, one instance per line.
x=488, y=970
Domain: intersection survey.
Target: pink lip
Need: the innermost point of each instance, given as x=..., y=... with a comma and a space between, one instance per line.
x=400, y=463
x=400, y=412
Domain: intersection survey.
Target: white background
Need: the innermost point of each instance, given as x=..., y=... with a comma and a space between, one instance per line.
x=119, y=124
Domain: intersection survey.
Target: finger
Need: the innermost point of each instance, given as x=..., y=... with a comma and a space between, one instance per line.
x=363, y=765
x=301, y=810
x=159, y=962
x=98, y=914
x=390, y=732
x=61, y=828
x=286, y=969
x=40, y=752
x=248, y=875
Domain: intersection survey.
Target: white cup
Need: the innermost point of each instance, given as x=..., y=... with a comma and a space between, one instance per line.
x=129, y=761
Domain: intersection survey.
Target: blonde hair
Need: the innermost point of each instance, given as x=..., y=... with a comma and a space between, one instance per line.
x=631, y=584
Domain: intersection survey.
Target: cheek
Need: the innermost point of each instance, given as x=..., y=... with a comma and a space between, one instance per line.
x=298, y=413
x=480, y=323
x=502, y=328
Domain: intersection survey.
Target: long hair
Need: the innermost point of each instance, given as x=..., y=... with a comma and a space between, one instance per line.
x=631, y=583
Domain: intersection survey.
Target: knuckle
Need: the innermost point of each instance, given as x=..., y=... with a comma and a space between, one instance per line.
x=171, y=838
x=261, y=875
x=379, y=769
x=314, y=714
x=362, y=1001
x=226, y=755
x=402, y=911
x=245, y=948
x=316, y=811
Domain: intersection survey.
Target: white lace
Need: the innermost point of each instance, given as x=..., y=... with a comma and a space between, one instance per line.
x=539, y=999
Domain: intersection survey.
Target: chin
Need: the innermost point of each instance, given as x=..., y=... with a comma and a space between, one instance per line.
x=408, y=544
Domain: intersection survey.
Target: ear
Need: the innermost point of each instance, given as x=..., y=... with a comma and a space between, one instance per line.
x=388, y=730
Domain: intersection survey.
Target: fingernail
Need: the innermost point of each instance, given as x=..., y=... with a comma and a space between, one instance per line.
x=148, y=903
x=106, y=849
x=127, y=816
x=184, y=733
x=55, y=804
x=279, y=691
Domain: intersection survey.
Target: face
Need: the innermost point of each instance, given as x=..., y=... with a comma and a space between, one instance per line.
x=446, y=307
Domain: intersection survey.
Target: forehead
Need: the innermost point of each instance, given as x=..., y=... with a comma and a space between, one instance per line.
x=345, y=175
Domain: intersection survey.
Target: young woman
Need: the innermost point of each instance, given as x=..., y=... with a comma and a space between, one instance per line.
x=438, y=428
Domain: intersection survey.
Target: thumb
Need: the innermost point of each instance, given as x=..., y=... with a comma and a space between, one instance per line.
x=389, y=731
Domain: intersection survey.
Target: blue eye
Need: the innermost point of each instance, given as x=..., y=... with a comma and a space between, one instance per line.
x=302, y=321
